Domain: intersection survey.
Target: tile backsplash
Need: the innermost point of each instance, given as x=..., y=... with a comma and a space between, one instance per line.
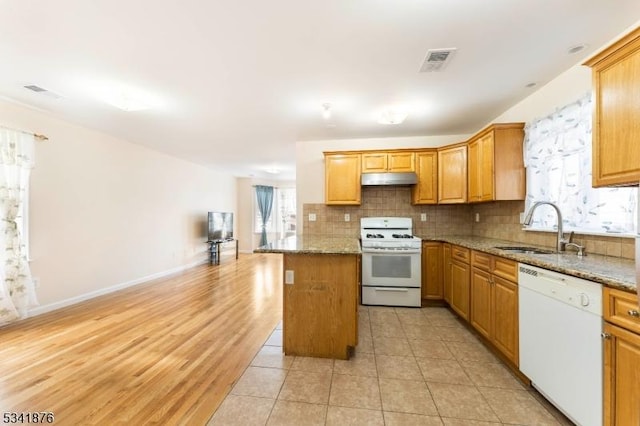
x=387, y=201
x=499, y=220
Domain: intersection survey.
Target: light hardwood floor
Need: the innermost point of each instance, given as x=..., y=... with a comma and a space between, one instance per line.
x=165, y=352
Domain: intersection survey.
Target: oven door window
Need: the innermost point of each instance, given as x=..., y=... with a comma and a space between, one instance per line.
x=391, y=267
x=391, y=270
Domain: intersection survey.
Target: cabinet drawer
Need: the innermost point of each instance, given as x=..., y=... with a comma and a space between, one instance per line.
x=621, y=308
x=505, y=268
x=481, y=260
x=460, y=253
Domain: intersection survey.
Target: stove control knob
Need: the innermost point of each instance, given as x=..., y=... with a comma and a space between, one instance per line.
x=584, y=299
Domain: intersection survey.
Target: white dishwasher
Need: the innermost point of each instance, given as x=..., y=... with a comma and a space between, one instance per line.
x=560, y=341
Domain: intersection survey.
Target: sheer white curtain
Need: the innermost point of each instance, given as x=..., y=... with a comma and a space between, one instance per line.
x=558, y=157
x=17, y=292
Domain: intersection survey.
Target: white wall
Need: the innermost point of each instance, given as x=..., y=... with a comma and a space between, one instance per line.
x=562, y=90
x=310, y=161
x=105, y=213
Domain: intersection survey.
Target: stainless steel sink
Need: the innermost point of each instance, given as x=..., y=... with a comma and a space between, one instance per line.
x=524, y=250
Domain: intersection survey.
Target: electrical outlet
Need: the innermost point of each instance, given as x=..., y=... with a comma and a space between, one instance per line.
x=347, y=217
x=288, y=277
x=423, y=217
x=477, y=217
x=312, y=217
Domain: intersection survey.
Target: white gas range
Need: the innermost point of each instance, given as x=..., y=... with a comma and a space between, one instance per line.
x=391, y=262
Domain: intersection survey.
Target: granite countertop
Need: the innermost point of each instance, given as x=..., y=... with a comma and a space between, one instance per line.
x=304, y=244
x=611, y=271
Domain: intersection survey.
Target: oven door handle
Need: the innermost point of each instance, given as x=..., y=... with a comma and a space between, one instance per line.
x=391, y=252
x=396, y=289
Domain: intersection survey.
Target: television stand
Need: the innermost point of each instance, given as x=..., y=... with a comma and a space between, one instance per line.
x=215, y=248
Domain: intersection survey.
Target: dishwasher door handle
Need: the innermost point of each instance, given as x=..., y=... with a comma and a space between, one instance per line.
x=559, y=280
x=399, y=289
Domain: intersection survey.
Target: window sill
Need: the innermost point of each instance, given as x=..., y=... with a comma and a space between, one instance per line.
x=579, y=232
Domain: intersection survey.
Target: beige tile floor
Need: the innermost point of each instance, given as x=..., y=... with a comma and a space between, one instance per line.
x=411, y=367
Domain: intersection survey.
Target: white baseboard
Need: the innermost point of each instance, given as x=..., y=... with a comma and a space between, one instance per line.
x=245, y=251
x=81, y=298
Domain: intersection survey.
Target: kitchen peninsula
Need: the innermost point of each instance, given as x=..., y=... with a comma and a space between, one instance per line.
x=320, y=294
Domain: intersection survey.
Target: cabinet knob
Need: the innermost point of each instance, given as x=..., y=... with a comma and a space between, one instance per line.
x=633, y=313
x=605, y=335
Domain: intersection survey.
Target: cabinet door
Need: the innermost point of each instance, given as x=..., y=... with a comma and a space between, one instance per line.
x=621, y=377
x=432, y=286
x=446, y=271
x=621, y=309
x=616, y=124
x=342, y=179
x=474, y=171
x=486, y=168
x=481, y=169
x=508, y=180
x=505, y=318
x=374, y=162
x=425, y=191
x=460, y=288
x=481, y=305
x=452, y=175
x=401, y=162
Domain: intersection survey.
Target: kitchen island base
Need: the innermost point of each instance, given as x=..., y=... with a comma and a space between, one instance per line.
x=320, y=305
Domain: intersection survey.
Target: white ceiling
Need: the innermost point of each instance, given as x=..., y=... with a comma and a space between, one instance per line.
x=236, y=83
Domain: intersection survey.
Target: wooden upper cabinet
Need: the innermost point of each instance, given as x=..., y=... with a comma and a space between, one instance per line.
x=616, y=121
x=374, y=162
x=388, y=161
x=475, y=179
x=342, y=178
x=426, y=190
x=452, y=174
x=496, y=167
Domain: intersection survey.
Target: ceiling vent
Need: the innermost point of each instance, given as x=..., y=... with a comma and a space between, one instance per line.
x=42, y=91
x=437, y=59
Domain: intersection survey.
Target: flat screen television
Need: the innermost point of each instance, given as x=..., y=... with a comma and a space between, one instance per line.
x=220, y=226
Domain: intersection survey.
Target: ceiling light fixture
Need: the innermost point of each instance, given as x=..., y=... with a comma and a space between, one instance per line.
x=126, y=102
x=392, y=116
x=273, y=170
x=326, y=110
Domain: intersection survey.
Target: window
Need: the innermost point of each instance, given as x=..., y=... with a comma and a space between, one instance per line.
x=283, y=214
x=558, y=160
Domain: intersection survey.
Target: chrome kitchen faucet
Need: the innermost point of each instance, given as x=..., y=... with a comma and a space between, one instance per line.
x=561, y=240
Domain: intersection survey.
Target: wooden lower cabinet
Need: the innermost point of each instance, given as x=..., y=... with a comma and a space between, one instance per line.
x=432, y=285
x=494, y=302
x=621, y=358
x=320, y=312
x=460, y=288
x=446, y=271
x=505, y=318
x=481, y=295
x=621, y=377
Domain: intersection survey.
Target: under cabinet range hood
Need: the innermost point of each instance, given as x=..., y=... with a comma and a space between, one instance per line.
x=391, y=178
